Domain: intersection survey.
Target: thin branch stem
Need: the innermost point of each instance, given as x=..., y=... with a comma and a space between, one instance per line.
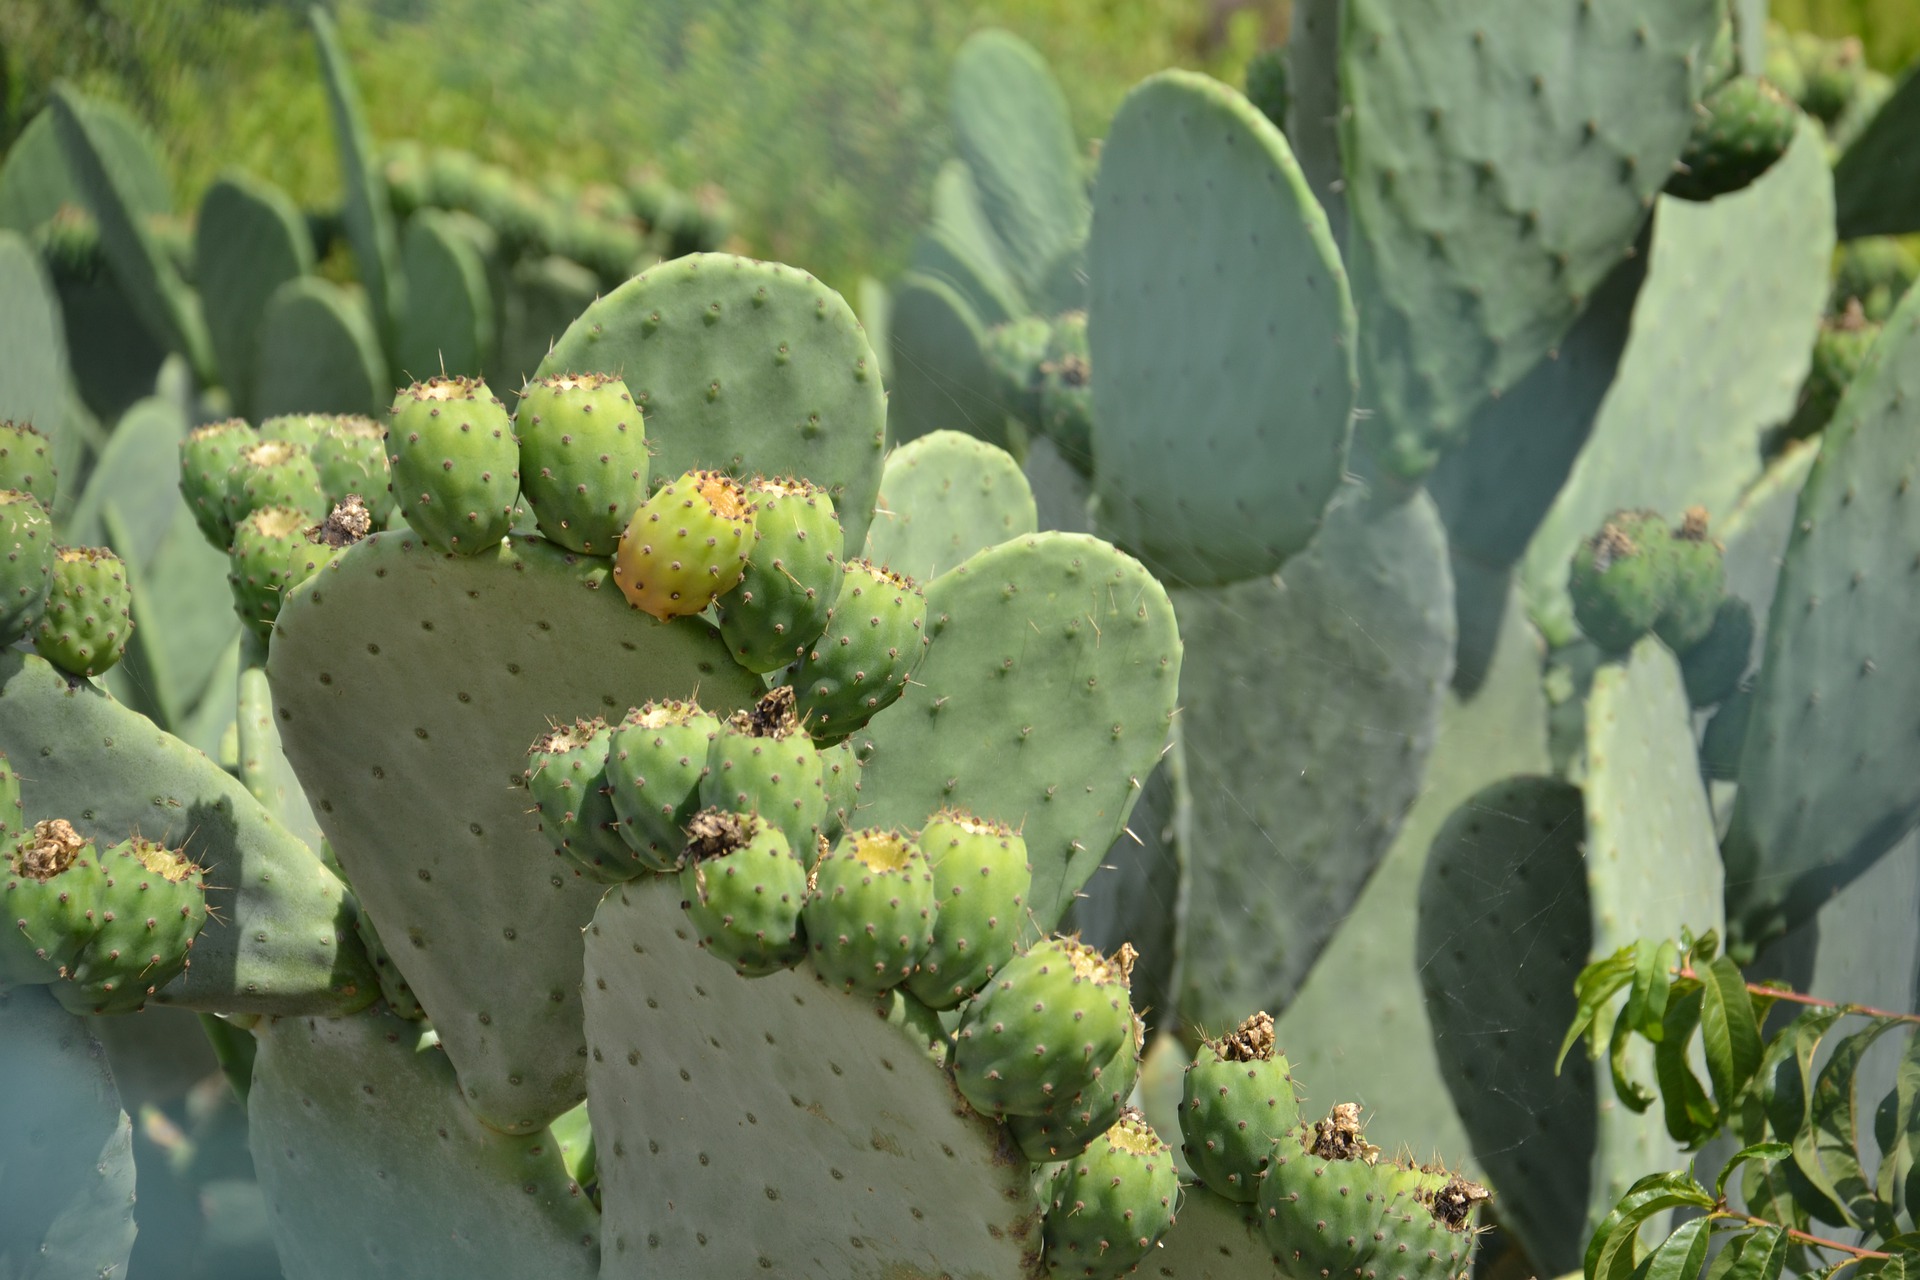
x=1801, y=1237
x=1794, y=997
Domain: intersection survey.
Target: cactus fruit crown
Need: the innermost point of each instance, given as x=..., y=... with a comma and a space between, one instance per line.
x=1452, y=1205
x=1338, y=1137
x=576, y=382
x=171, y=865
x=1251, y=1041
x=786, y=487
x=663, y=714
x=277, y=522
x=444, y=389
x=884, y=574
x=54, y=846
x=1132, y=1134
x=881, y=850
x=346, y=524
x=15, y=495
x=231, y=426
x=567, y=737
x=771, y=717
x=90, y=555
x=1090, y=965
x=272, y=453
x=1852, y=319
x=973, y=825
x=727, y=496
x=1693, y=525
x=1613, y=543
x=715, y=833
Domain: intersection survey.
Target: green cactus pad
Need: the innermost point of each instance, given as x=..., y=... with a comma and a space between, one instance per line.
x=1757, y=531
x=1043, y=1028
x=1059, y=745
x=482, y=919
x=786, y=595
x=583, y=459
x=654, y=766
x=26, y=564
x=1874, y=191
x=1623, y=579
x=980, y=883
x=1010, y=125
x=1191, y=297
x=265, y=545
x=280, y=935
x=207, y=456
x=455, y=464
x=1108, y=1205
x=151, y=903
x=567, y=777
x=50, y=887
x=368, y=213
x=1214, y=1238
x=687, y=544
x=26, y=462
x=350, y=453
x=743, y=888
x=34, y=379
x=944, y=497
x=248, y=240
x=354, y=1120
x=978, y=277
x=163, y=301
x=88, y=617
x=1313, y=120
x=447, y=326
x=13, y=819
x=1274, y=830
x=319, y=353
x=1712, y=668
x=1695, y=391
x=1742, y=127
x=1236, y=1102
x=1490, y=192
x=66, y=1188
x=1071, y=1126
x=1823, y=792
x=761, y=762
x=751, y=367
x=708, y=1088
x=876, y=636
x=869, y=911
x=262, y=761
x=35, y=182
x=940, y=379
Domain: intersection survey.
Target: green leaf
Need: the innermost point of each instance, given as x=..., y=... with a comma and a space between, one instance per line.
x=1690, y=1113
x=1703, y=949
x=1901, y=1142
x=1659, y=990
x=1610, y=1253
x=1681, y=1255
x=1761, y=1255
x=1782, y=1080
x=1758, y=1151
x=1631, y=1092
x=1728, y=1031
x=1597, y=984
x=1827, y=1150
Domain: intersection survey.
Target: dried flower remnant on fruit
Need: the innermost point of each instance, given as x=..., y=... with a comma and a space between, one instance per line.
x=54, y=846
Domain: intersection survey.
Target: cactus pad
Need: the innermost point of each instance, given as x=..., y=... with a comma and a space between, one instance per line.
x=248, y=240
x=944, y=497
x=319, y=352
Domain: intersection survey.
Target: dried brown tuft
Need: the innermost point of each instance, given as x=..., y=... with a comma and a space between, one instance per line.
x=1251, y=1041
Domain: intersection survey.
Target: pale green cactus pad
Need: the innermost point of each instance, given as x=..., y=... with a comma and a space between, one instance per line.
x=944, y=497
x=247, y=241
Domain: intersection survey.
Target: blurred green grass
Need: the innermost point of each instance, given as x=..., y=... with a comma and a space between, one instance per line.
x=824, y=120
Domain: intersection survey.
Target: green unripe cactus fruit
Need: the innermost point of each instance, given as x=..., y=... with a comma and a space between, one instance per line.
x=840, y=774
x=1107, y=1206
x=350, y=453
x=26, y=564
x=875, y=637
x=1739, y=130
x=792, y=579
x=654, y=766
x=568, y=778
x=320, y=546
x=275, y=473
x=742, y=888
x=980, y=882
x=1038, y=1033
x=685, y=545
x=1833, y=70
x=1269, y=87
x=260, y=566
x=26, y=462
x=1071, y=1126
x=49, y=902
x=583, y=459
x=207, y=458
x=152, y=903
x=1699, y=584
x=1014, y=352
x=1236, y=1101
x=761, y=763
x=302, y=429
x=1621, y=579
x=13, y=814
x=1713, y=667
x=1840, y=351
x=89, y=615
x=869, y=911
x=1066, y=391
x=454, y=464
x=1876, y=272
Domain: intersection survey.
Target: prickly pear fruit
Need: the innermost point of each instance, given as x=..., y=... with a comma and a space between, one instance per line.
x=1876, y=272
x=1832, y=68
x=1840, y=351
x=1269, y=87
x=1014, y=352
x=742, y=890
x=1107, y=1206
x=1038, y=1033
x=26, y=462
x=207, y=457
x=840, y=773
x=654, y=766
x=302, y=429
x=49, y=902
x=792, y=579
x=1066, y=1131
x=1739, y=130
x=869, y=911
x=152, y=903
x=274, y=473
x=454, y=464
x=568, y=779
x=1699, y=584
x=1713, y=667
x=980, y=882
x=13, y=814
x=685, y=545
x=89, y=615
x=875, y=637
x=583, y=459
x=350, y=453
x=26, y=564
x=1066, y=391
x=1622, y=579
x=760, y=762
x=1236, y=1101
x=260, y=566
